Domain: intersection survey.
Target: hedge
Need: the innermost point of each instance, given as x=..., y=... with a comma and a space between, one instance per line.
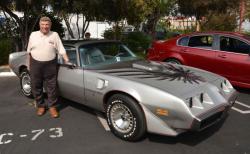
x=5, y=50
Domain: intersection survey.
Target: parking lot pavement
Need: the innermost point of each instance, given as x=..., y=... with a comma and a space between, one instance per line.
x=79, y=130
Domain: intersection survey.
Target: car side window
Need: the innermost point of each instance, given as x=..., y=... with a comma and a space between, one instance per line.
x=183, y=41
x=233, y=45
x=91, y=55
x=204, y=41
x=71, y=52
x=104, y=53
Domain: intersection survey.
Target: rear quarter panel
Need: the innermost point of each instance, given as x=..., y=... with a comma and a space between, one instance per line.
x=17, y=61
x=165, y=50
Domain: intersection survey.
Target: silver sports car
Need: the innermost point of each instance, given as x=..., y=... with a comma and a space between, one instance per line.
x=137, y=96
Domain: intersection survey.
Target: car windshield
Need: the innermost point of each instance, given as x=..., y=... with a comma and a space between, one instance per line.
x=104, y=53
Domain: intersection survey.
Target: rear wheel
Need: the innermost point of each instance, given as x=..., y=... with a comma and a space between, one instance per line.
x=173, y=61
x=125, y=118
x=25, y=82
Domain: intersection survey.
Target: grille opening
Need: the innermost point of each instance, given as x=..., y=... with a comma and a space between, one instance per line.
x=191, y=102
x=201, y=98
x=210, y=120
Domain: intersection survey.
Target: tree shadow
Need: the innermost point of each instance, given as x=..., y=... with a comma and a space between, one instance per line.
x=243, y=90
x=64, y=103
x=188, y=138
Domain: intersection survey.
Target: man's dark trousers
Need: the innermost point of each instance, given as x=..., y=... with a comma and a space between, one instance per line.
x=44, y=73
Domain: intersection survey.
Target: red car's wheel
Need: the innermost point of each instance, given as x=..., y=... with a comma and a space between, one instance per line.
x=173, y=61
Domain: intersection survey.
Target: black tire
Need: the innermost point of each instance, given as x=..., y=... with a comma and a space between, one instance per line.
x=173, y=61
x=125, y=118
x=25, y=82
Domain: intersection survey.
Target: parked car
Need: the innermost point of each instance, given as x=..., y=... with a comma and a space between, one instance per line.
x=137, y=96
x=224, y=53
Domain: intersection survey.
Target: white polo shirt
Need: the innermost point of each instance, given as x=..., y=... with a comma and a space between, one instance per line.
x=45, y=47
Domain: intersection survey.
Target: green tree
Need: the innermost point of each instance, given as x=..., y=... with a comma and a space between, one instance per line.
x=63, y=8
x=220, y=22
x=5, y=48
x=158, y=9
x=22, y=23
x=137, y=11
x=205, y=9
x=247, y=9
x=19, y=28
x=87, y=10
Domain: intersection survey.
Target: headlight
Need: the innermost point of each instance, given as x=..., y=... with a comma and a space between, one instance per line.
x=226, y=86
x=198, y=101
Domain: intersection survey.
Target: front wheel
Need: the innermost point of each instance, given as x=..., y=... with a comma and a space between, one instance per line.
x=125, y=118
x=25, y=82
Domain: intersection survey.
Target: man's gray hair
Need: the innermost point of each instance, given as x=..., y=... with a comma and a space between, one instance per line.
x=45, y=19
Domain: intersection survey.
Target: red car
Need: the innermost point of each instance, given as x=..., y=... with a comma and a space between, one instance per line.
x=224, y=53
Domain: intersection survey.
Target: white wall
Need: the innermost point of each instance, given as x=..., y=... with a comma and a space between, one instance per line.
x=246, y=25
x=95, y=28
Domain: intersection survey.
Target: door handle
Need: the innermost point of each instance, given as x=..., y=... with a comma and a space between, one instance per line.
x=184, y=50
x=222, y=56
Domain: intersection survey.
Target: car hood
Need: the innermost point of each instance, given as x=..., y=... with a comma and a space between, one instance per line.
x=175, y=79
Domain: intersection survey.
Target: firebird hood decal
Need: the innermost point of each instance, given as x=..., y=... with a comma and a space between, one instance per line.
x=158, y=71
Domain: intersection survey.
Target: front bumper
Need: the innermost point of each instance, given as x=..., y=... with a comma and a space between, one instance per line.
x=197, y=123
x=205, y=121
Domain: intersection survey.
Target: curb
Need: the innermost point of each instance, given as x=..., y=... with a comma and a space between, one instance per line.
x=6, y=72
x=4, y=68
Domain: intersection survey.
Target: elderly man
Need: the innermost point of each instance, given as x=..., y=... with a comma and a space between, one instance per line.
x=43, y=47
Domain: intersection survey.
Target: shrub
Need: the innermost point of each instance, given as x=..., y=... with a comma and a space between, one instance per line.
x=113, y=33
x=247, y=33
x=138, y=42
x=108, y=34
x=5, y=50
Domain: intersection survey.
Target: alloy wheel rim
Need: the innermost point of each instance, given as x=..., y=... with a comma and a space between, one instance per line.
x=26, y=84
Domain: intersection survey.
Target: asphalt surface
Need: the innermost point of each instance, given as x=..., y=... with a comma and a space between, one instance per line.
x=78, y=130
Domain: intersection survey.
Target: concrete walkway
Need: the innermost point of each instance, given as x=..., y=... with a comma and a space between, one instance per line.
x=5, y=71
x=4, y=68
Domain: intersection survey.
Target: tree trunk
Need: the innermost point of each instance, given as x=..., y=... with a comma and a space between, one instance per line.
x=25, y=36
x=18, y=22
x=77, y=25
x=242, y=13
x=34, y=24
x=183, y=24
x=198, y=26
x=85, y=25
x=152, y=23
x=65, y=18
